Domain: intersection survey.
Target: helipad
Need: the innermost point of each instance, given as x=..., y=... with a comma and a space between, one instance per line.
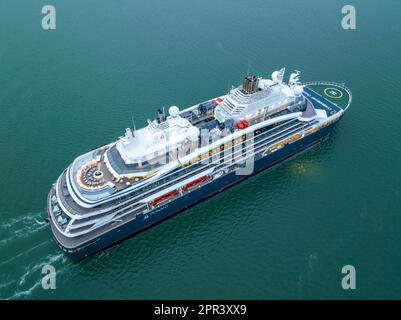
x=333, y=93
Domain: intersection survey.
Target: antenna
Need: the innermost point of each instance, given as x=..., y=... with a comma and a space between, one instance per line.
x=133, y=124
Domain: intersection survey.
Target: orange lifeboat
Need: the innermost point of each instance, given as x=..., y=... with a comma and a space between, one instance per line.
x=164, y=197
x=194, y=183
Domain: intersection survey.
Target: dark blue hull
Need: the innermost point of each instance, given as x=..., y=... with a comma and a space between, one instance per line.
x=165, y=211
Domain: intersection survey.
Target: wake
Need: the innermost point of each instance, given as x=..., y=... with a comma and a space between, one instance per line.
x=30, y=281
x=21, y=227
x=27, y=218
x=28, y=251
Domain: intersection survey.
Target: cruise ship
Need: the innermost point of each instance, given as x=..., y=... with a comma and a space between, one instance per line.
x=185, y=156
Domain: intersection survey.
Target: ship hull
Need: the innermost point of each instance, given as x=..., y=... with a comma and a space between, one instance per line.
x=149, y=219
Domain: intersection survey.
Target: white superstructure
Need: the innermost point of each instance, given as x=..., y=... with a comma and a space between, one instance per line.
x=139, y=146
x=264, y=95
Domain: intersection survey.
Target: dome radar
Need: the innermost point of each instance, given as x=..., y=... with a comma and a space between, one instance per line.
x=278, y=76
x=173, y=111
x=193, y=134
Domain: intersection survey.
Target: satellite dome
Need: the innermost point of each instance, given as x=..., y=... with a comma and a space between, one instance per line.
x=275, y=76
x=173, y=111
x=298, y=90
x=193, y=133
x=264, y=84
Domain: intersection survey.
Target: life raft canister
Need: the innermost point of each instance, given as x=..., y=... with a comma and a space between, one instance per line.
x=242, y=124
x=217, y=101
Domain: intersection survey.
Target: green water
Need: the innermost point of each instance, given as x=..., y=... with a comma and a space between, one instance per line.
x=285, y=233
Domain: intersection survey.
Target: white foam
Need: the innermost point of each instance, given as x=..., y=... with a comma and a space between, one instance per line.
x=22, y=227
x=34, y=271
